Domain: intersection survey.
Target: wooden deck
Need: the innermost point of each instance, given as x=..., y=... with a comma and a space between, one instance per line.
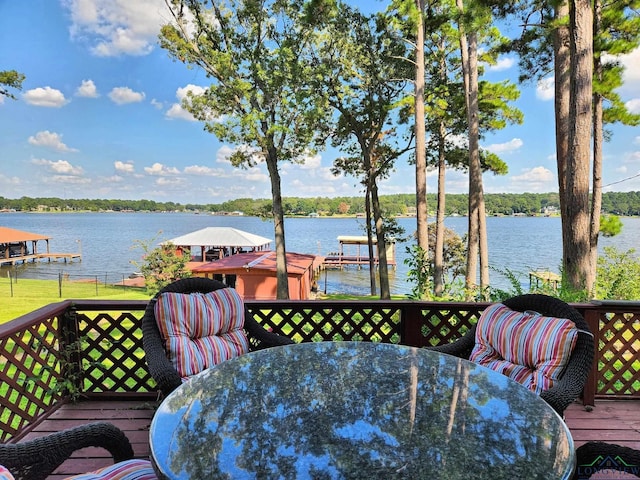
x=610, y=421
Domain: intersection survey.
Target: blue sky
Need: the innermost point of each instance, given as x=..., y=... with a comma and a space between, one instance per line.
x=99, y=116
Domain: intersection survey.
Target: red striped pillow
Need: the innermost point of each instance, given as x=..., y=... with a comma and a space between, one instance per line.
x=526, y=346
x=135, y=469
x=201, y=330
x=5, y=474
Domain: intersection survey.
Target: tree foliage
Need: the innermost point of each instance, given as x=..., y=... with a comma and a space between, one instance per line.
x=256, y=54
x=161, y=265
x=10, y=79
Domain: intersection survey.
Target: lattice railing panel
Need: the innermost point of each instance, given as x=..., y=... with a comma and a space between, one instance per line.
x=114, y=358
x=619, y=350
x=444, y=326
x=29, y=374
x=323, y=322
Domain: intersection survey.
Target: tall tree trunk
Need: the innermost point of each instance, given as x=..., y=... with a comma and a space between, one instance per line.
x=368, y=216
x=438, y=250
x=473, y=237
x=576, y=259
x=383, y=268
x=438, y=256
x=598, y=139
x=282, y=277
x=422, y=232
x=562, y=86
x=476, y=189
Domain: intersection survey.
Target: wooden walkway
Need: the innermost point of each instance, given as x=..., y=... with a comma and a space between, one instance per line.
x=40, y=256
x=610, y=421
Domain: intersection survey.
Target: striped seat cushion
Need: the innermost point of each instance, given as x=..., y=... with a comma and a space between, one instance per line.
x=526, y=346
x=5, y=474
x=201, y=329
x=135, y=469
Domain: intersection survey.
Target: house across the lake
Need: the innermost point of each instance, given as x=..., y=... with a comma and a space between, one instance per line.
x=253, y=274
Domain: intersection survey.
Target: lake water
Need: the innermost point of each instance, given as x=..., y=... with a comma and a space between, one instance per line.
x=107, y=243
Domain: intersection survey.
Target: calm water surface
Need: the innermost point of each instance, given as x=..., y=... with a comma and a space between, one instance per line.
x=107, y=243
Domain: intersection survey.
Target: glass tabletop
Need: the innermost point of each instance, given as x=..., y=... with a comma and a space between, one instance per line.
x=357, y=410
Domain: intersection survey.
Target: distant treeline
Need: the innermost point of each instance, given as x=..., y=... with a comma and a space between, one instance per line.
x=618, y=203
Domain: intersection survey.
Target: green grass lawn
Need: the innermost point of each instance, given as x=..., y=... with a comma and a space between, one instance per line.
x=27, y=295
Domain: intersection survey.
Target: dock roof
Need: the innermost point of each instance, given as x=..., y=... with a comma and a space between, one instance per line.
x=11, y=235
x=220, y=237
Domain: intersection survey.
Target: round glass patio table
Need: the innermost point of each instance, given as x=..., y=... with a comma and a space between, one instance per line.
x=357, y=410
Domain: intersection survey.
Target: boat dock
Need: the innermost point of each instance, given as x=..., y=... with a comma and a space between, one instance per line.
x=354, y=250
x=40, y=256
x=17, y=246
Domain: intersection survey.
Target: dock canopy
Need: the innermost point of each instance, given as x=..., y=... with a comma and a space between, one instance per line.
x=13, y=244
x=218, y=242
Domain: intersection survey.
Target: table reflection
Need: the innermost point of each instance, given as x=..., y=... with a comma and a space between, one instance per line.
x=356, y=410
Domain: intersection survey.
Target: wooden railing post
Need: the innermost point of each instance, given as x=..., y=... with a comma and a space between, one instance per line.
x=592, y=317
x=71, y=354
x=411, y=326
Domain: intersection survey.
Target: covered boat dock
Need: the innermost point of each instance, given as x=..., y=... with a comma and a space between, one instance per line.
x=214, y=243
x=17, y=246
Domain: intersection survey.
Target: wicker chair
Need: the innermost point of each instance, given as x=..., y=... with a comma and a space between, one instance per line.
x=595, y=456
x=36, y=459
x=160, y=368
x=573, y=380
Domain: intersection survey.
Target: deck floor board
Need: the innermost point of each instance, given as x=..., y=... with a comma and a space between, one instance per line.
x=612, y=421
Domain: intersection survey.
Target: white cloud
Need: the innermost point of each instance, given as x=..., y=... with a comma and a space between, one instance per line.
x=161, y=170
x=50, y=140
x=61, y=167
x=311, y=163
x=182, y=94
x=122, y=95
x=535, y=179
x=202, y=170
x=124, y=167
x=510, y=146
x=636, y=140
x=87, y=89
x=545, y=89
x=225, y=152
x=69, y=179
x=504, y=63
x=45, y=97
x=156, y=103
x=631, y=75
x=113, y=28
x=633, y=105
x=177, y=112
x=164, y=181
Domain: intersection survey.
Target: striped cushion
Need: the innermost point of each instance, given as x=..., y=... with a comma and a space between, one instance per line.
x=5, y=474
x=526, y=346
x=135, y=469
x=201, y=329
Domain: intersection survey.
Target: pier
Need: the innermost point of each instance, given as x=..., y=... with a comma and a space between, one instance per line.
x=14, y=248
x=40, y=256
x=357, y=253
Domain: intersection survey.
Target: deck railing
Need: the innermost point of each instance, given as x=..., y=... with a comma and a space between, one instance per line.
x=93, y=348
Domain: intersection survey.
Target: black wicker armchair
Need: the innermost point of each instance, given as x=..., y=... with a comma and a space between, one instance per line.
x=573, y=380
x=36, y=459
x=160, y=367
x=594, y=457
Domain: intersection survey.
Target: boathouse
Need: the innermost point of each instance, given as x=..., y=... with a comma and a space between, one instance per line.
x=17, y=246
x=213, y=243
x=253, y=274
x=354, y=250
